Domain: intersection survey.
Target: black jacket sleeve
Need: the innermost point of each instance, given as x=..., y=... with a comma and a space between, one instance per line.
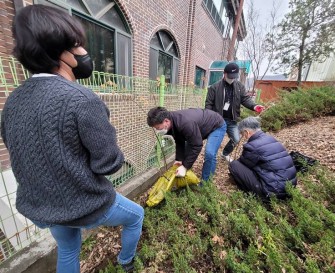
x=210, y=99
x=246, y=100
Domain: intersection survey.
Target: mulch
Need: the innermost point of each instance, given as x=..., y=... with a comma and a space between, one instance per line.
x=314, y=138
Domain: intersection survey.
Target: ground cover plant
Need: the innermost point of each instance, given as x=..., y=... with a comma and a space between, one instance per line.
x=220, y=229
x=297, y=106
x=203, y=230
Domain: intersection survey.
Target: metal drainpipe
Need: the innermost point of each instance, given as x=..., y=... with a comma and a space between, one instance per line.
x=233, y=39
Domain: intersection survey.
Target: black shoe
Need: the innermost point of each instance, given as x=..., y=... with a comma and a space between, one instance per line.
x=129, y=267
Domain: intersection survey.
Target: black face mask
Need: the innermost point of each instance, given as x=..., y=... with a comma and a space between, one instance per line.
x=84, y=68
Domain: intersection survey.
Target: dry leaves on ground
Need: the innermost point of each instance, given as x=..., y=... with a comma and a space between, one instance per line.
x=314, y=138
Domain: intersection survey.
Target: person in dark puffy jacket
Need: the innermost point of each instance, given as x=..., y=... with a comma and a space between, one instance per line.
x=265, y=167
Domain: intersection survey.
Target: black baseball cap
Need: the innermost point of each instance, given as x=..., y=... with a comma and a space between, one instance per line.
x=232, y=70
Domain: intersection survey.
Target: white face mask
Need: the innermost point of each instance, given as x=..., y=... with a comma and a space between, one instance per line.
x=230, y=81
x=162, y=132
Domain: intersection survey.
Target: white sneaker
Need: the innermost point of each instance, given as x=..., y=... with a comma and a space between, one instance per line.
x=227, y=158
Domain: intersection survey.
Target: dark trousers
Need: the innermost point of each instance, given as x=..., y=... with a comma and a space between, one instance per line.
x=245, y=178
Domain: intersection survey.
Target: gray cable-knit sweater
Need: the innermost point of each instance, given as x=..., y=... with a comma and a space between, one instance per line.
x=61, y=144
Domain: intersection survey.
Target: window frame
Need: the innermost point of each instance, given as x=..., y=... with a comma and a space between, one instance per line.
x=73, y=11
x=175, y=59
x=203, y=79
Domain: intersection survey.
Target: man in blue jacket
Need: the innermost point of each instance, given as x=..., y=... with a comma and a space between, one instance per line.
x=265, y=167
x=189, y=127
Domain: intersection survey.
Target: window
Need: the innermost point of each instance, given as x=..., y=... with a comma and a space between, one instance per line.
x=108, y=35
x=200, y=76
x=163, y=58
x=215, y=9
x=100, y=45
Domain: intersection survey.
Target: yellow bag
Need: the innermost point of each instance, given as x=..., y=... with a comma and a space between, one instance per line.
x=167, y=181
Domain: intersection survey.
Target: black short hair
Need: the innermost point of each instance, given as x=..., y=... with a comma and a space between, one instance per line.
x=157, y=115
x=42, y=34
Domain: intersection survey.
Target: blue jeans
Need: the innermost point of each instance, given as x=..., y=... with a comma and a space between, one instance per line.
x=123, y=212
x=213, y=144
x=233, y=134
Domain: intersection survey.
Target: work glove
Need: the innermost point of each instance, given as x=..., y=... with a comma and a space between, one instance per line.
x=178, y=163
x=259, y=108
x=181, y=171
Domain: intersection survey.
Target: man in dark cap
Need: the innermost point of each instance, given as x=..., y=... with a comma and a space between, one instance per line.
x=226, y=97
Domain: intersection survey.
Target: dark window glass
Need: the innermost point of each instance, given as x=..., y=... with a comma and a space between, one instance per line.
x=199, y=77
x=153, y=63
x=101, y=37
x=214, y=13
x=124, y=55
x=113, y=18
x=166, y=39
x=209, y=5
x=100, y=45
x=175, y=70
x=78, y=5
x=215, y=76
x=165, y=66
x=173, y=50
x=163, y=59
x=155, y=41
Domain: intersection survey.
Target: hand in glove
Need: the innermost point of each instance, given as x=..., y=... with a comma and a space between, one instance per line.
x=181, y=171
x=259, y=108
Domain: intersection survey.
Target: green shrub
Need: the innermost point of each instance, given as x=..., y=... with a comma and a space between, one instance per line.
x=296, y=106
x=204, y=230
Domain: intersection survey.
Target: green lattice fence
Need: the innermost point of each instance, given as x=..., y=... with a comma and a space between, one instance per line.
x=128, y=99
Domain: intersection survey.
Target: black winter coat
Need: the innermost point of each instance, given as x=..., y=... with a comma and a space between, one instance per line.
x=270, y=162
x=215, y=98
x=192, y=126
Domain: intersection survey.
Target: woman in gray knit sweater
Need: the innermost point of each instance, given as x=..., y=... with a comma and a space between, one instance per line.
x=61, y=142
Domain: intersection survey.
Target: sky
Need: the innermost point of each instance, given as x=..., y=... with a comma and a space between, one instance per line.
x=264, y=8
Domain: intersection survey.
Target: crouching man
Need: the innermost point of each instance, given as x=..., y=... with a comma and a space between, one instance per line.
x=189, y=128
x=264, y=167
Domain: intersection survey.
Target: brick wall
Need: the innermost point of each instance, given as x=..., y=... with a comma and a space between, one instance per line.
x=208, y=44
x=198, y=43
x=198, y=40
x=6, y=17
